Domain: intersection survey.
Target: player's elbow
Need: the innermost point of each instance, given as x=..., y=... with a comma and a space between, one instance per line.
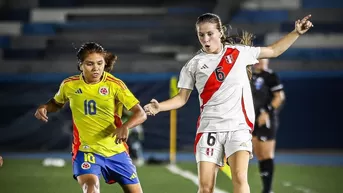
x=282, y=97
x=181, y=102
x=143, y=116
x=183, y=96
x=139, y=113
x=275, y=52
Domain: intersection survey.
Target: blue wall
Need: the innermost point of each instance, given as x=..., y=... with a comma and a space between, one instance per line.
x=310, y=117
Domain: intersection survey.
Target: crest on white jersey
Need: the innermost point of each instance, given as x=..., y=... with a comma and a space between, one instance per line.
x=103, y=90
x=229, y=58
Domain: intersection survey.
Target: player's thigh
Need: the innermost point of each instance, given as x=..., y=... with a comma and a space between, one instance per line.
x=132, y=188
x=89, y=182
x=239, y=140
x=238, y=150
x=239, y=163
x=263, y=149
x=207, y=174
x=208, y=148
x=119, y=168
x=87, y=170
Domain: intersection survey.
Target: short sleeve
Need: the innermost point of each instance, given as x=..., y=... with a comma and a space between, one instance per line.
x=255, y=52
x=125, y=96
x=60, y=96
x=251, y=54
x=274, y=83
x=187, y=76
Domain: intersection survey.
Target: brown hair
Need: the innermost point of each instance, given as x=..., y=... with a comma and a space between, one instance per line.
x=92, y=47
x=229, y=36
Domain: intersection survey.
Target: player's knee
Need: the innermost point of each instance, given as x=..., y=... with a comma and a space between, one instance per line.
x=265, y=154
x=259, y=155
x=240, y=178
x=206, y=188
x=132, y=188
x=133, y=191
x=90, y=187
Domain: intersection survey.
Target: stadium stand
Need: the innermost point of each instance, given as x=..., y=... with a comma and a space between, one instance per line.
x=43, y=34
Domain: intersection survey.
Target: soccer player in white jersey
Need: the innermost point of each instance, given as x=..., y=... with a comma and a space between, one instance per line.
x=227, y=115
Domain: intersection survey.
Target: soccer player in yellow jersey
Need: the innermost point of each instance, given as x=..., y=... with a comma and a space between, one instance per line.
x=96, y=99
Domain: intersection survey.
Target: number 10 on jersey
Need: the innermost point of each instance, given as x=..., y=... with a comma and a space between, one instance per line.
x=89, y=107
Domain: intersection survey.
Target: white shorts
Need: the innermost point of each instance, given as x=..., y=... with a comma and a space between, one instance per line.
x=212, y=146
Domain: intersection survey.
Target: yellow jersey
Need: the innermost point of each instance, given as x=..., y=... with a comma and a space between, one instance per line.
x=95, y=108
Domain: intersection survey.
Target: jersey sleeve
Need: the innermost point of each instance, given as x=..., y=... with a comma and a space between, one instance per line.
x=274, y=83
x=254, y=51
x=60, y=96
x=187, y=76
x=251, y=54
x=125, y=96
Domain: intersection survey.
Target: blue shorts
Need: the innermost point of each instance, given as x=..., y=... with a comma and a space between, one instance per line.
x=118, y=168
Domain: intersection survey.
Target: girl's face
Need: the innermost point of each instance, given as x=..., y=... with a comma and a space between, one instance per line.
x=210, y=37
x=93, y=67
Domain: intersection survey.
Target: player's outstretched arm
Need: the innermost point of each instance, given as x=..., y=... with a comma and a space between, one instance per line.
x=50, y=106
x=280, y=46
x=176, y=102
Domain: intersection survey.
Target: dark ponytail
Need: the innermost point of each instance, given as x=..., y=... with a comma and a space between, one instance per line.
x=110, y=60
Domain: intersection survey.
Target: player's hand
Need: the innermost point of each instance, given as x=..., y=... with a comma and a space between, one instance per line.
x=41, y=113
x=263, y=119
x=122, y=134
x=302, y=26
x=1, y=161
x=152, y=108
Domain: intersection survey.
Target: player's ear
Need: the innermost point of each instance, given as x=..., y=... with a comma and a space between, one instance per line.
x=81, y=67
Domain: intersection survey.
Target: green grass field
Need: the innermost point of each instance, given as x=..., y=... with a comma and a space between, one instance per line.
x=29, y=176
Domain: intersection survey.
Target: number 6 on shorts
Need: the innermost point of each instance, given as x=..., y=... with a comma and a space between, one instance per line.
x=211, y=139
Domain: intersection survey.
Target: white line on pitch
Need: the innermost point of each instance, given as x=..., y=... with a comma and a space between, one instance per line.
x=297, y=188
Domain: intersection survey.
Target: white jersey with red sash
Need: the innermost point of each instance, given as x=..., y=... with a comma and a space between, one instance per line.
x=223, y=85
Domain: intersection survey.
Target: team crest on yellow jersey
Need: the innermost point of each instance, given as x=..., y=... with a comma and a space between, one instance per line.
x=103, y=90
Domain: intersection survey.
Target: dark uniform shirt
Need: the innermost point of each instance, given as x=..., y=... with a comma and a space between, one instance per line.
x=263, y=86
